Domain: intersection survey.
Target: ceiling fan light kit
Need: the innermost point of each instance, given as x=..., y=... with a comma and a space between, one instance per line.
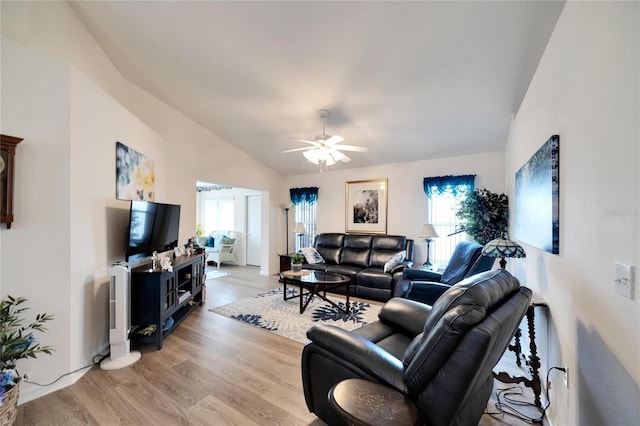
x=324, y=149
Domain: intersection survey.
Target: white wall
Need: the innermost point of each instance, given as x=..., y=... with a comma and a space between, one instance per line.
x=586, y=89
x=407, y=202
x=36, y=250
x=71, y=105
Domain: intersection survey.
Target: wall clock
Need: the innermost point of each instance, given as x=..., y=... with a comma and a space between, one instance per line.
x=7, y=165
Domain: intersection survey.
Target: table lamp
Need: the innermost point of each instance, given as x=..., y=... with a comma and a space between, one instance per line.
x=428, y=232
x=503, y=247
x=300, y=229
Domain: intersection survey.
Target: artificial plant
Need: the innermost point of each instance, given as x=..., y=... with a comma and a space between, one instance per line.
x=484, y=215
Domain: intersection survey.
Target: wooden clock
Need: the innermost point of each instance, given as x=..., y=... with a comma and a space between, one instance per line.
x=7, y=165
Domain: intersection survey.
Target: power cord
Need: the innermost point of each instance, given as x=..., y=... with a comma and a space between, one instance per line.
x=93, y=363
x=506, y=407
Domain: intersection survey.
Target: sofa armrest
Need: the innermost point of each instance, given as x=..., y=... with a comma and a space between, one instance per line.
x=406, y=315
x=401, y=266
x=421, y=275
x=360, y=352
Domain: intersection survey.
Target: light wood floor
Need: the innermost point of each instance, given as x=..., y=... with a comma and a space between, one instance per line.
x=211, y=371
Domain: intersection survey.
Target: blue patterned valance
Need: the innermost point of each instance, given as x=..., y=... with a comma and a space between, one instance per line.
x=304, y=195
x=448, y=184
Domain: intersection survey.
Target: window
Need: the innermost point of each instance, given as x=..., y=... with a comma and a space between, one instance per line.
x=217, y=214
x=445, y=195
x=306, y=214
x=305, y=201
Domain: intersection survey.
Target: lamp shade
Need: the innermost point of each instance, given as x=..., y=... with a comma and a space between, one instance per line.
x=428, y=231
x=300, y=228
x=503, y=247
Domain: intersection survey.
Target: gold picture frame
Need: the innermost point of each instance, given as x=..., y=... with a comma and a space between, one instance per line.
x=366, y=206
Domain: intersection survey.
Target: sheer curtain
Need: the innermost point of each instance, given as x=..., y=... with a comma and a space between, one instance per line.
x=305, y=202
x=445, y=194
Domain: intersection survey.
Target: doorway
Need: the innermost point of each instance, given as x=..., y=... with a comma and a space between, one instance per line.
x=225, y=208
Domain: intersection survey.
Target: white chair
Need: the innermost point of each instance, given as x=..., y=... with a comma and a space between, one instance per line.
x=223, y=249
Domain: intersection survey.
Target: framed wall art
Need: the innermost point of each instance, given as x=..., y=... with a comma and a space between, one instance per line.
x=537, y=193
x=366, y=206
x=135, y=175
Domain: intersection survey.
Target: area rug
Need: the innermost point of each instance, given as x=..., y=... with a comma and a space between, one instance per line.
x=270, y=312
x=214, y=273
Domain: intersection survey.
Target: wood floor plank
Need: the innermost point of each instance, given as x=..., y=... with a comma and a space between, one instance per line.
x=212, y=370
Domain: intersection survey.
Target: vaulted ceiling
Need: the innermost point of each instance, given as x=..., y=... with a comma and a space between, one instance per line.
x=407, y=80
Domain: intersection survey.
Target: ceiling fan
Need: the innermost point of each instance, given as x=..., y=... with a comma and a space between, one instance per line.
x=325, y=149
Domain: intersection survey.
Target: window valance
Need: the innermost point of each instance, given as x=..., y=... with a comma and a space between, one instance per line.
x=302, y=195
x=448, y=184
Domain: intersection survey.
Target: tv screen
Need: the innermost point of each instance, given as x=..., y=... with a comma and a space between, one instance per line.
x=152, y=227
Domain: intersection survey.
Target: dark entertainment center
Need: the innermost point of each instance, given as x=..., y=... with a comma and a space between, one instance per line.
x=160, y=300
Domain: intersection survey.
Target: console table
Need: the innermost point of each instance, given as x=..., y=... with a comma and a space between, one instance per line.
x=160, y=300
x=533, y=360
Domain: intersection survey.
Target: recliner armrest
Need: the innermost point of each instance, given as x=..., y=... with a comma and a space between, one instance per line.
x=406, y=315
x=421, y=275
x=426, y=292
x=360, y=352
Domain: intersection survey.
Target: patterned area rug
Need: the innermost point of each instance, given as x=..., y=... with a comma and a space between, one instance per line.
x=270, y=312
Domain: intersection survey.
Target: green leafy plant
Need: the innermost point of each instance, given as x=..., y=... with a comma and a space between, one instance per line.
x=297, y=258
x=484, y=215
x=17, y=340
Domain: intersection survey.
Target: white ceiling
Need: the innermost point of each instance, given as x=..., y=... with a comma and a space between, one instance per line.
x=408, y=80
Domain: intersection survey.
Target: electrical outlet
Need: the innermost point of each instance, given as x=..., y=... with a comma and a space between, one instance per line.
x=566, y=376
x=623, y=279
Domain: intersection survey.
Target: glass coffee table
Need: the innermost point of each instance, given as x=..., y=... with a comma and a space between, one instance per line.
x=316, y=283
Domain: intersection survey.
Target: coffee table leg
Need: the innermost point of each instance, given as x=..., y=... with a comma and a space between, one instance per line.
x=348, y=305
x=313, y=291
x=284, y=288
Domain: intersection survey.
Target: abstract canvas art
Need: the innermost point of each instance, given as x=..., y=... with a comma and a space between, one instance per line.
x=537, y=194
x=366, y=206
x=135, y=175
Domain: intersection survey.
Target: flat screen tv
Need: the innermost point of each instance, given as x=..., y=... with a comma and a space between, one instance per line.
x=152, y=227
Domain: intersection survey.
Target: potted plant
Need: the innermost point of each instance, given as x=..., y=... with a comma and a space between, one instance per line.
x=484, y=215
x=296, y=262
x=17, y=341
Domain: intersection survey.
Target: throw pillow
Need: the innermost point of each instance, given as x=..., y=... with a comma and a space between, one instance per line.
x=211, y=242
x=228, y=240
x=395, y=260
x=311, y=255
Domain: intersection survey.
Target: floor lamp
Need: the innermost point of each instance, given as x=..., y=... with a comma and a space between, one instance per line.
x=428, y=232
x=286, y=208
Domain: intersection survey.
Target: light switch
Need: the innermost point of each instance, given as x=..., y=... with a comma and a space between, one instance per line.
x=623, y=279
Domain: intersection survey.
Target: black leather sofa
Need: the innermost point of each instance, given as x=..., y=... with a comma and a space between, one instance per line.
x=362, y=258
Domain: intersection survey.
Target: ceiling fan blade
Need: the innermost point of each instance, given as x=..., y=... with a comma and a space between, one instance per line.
x=344, y=158
x=338, y=156
x=314, y=143
x=333, y=140
x=351, y=148
x=299, y=149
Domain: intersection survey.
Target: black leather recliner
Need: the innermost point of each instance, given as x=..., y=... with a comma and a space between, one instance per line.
x=426, y=286
x=441, y=357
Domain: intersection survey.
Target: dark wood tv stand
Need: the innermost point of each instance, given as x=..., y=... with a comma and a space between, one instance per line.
x=160, y=300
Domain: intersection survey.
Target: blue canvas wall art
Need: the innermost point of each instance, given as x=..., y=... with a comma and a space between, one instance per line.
x=537, y=206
